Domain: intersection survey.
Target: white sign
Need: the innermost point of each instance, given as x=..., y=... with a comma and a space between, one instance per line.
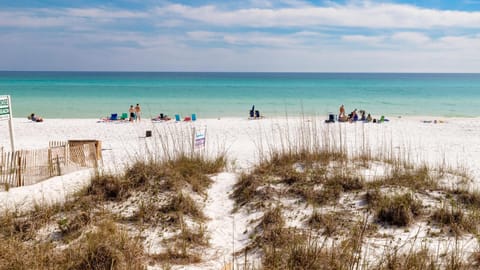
x=199, y=141
x=5, y=112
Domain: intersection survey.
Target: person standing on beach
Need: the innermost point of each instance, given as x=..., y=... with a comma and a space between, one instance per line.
x=131, y=111
x=137, y=112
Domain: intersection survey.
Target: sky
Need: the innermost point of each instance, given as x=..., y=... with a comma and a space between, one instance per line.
x=241, y=35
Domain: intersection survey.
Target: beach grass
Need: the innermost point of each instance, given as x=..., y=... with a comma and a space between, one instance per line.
x=97, y=233
x=349, y=208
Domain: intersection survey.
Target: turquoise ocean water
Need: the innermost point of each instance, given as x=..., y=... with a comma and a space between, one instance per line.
x=97, y=94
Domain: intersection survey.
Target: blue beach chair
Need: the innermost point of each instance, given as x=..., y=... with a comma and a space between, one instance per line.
x=113, y=117
x=177, y=117
x=194, y=117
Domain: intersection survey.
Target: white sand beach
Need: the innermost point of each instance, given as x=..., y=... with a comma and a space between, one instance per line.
x=451, y=141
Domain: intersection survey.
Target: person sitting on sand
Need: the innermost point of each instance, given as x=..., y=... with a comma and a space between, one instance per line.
x=369, y=118
x=161, y=117
x=353, y=116
x=35, y=118
x=342, y=112
x=363, y=117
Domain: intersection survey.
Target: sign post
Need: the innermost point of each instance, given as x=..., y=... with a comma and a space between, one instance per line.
x=6, y=114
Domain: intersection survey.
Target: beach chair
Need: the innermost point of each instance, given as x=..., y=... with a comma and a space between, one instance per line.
x=382, y=119
x=113, y=117
x=124, y=116
x=257, y=114
x=177, y=117
x=194, y=117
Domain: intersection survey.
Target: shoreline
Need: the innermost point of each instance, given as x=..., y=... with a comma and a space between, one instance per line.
x=276, y=117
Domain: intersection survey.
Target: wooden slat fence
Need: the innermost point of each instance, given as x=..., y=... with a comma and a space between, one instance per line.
x=26, y=167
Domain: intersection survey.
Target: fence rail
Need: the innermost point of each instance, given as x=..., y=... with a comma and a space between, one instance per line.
x=26, y=167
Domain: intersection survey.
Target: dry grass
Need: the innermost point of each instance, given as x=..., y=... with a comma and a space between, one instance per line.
x=270, y=230
x=324, y=176
x=305, y=251
x=94, y=238
x=107, y=247
x=455, y=219
x=421, y=259
x=181, y=205
x=300, y=172
x=398, y=210
x=330, y=223
x=470, y=199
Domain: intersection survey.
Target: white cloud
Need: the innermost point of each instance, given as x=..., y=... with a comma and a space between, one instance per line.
x=370, y=40
x=411, y=37
x=71, y=18
x=262, y=39
x=366, y=14
x=31, y=19
x=101, y=13
x=295, y=40
x=261, y=3
x=203, y=35
x=170, y=54
x=294, y=13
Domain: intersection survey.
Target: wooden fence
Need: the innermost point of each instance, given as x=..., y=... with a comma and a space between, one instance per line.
x=26, y=167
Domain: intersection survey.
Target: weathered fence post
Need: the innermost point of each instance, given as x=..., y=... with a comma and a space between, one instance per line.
x=59, y=172
x=50, y=163
x=19, y=170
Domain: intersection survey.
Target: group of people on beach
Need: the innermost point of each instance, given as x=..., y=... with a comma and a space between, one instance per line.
x=354, y=116
x=134, y=113
x=161, y=117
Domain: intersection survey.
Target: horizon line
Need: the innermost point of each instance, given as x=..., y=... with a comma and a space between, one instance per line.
x=279, y=72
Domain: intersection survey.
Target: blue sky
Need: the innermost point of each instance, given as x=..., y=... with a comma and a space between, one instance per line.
x=243, y=35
